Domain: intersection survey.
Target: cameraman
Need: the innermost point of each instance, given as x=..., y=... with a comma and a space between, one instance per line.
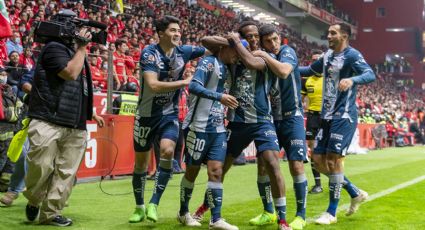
x=61, y=101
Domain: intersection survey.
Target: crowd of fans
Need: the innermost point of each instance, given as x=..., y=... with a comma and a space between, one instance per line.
x=388, y=103
x=130, y=32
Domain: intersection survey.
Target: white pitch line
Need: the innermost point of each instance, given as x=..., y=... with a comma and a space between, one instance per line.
x=377, y=195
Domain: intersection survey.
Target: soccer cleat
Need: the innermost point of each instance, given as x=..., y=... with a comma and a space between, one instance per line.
x=316, y=189
x=283, y=225
x=187, y=220
x=151, y=212
x=199, y=214
x=298, y=223
x=221, y=224
x=138, y=215
x=326, y=218
x=355, y=202
x=264, y=218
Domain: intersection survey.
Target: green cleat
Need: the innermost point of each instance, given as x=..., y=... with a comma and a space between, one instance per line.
x=151, y=213
x=138, y=215
x=298, y=223
x=264, y=218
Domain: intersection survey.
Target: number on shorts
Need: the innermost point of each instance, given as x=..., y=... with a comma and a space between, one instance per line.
x=199, y=145
x=319, y=135
x=144, y=132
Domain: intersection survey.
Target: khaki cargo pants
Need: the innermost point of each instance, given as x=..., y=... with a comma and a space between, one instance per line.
x=53, y=160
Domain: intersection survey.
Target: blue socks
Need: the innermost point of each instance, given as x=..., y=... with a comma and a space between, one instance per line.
x=351, y=188
x=186, y=188
x=138, y=182
x=161, y=180
x=335, y=186
x=300, y=187
x=264, y=188
x=280, y=206
x=215, y=197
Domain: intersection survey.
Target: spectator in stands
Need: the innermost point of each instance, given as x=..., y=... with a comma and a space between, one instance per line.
x=120, y=63
x=14, y=43
x=99, y=80
x=27, y=58
x=14, y=71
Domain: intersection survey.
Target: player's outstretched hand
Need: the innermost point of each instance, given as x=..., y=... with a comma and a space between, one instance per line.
x=188, y=79
x=259, y=53
x=229, y=101
x=345, y=84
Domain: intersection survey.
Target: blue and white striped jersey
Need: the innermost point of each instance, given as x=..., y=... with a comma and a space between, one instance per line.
x=153, y=59
x=206, y=113
x=251, y=88
x=286, y=93
x=336, y=66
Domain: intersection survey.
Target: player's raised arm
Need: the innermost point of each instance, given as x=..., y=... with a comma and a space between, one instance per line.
x=250, y=61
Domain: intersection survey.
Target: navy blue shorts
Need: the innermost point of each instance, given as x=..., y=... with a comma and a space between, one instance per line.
x=203, y=147
x=291, y=135
x=242, y=134
x=145, y=129
x=313, y=125
x=335, y=136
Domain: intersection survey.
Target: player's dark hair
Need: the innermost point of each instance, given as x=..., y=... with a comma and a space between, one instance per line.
x=266, y=29
x=345, y=28
x=163, y=23
x=243, y=25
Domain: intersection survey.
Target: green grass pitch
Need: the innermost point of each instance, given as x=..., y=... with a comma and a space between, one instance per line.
x=376, y=172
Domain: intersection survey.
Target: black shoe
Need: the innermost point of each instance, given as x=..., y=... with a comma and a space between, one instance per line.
x=316, y=189
x=61, y=221
x=31, y=212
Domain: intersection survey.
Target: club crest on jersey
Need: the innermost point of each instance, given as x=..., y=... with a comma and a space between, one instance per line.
x=196, y=156
x=143, y=142
x=206, y=67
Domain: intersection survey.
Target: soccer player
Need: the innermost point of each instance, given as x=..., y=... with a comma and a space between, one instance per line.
x=311, y=92
x=162, y=68
x=206, y=138
x=252, y=121
x=343, y=68
x=287, y=112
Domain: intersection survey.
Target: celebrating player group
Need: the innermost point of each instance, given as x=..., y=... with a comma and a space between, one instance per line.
x=249, y=79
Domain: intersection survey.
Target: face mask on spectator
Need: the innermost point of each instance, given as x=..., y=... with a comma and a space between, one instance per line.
x=22, y=29
x=17, y=40
x=3, y=79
